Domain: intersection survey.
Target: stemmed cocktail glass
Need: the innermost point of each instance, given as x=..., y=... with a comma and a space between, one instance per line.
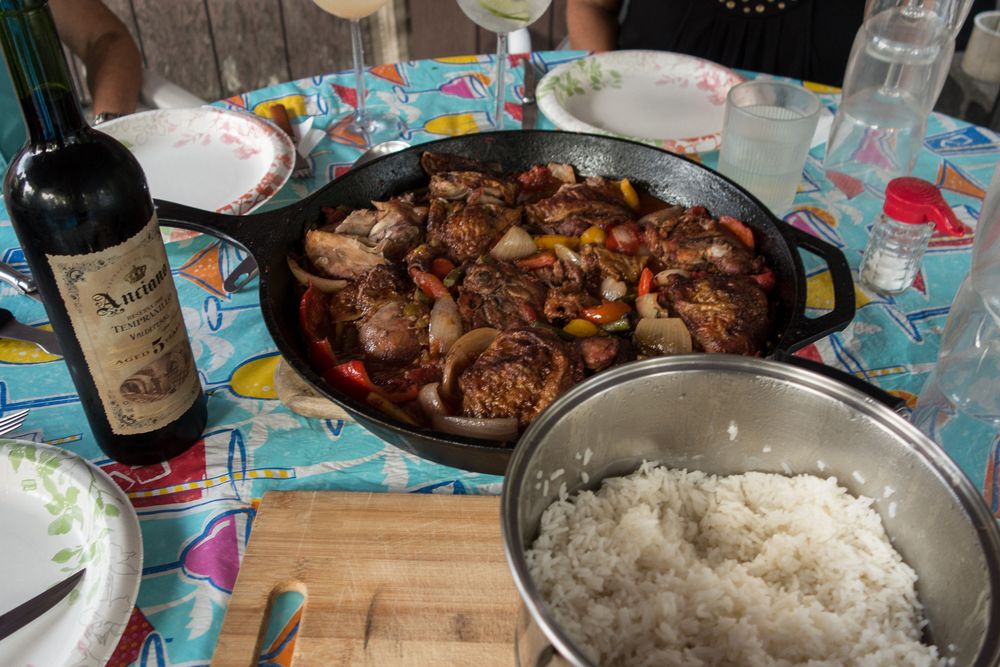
x=374, y=127
x=502, y=17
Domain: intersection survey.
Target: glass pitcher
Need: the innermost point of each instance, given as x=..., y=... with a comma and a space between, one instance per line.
x=898, y=65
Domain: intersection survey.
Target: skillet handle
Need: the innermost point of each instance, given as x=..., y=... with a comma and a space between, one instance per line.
x=246, y=231
x=891, y=401
x=803, y=330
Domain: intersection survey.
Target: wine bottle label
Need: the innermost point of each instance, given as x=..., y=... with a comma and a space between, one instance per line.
x=124, y=309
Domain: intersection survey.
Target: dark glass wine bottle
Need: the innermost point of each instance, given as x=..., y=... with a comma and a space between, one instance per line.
x=82, y=212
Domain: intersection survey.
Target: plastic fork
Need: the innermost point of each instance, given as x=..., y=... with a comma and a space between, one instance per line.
x=12, y=421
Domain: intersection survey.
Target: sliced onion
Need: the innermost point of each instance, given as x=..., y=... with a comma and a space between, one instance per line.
x=462, y=353
x=612, y=289
x=493, y=428
x=661, y=277
x=666, y=335
x=430, y=401
x=514, y=244
x=566, y=255
x=322, y=284
x=648, y=305
x=446, y=325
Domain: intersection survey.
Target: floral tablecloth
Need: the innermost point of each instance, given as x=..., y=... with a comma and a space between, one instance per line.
x=196, y=511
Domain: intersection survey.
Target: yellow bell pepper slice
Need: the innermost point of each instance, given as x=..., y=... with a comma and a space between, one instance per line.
x=593, y=235
x=550, y=241
x=631, y=196
x=581, y=328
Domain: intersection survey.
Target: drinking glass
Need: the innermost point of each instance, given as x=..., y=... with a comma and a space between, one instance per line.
x=374, y=127
x=766, y=134
x=502, y=17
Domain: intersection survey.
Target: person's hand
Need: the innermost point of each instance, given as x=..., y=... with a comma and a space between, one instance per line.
x=593, y=24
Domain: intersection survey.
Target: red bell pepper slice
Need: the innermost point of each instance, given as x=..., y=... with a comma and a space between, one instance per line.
x=624, y=238
x=738, y=229
x=645, y=281
x=609, y=311
x=352, y=379
x=441, y=267
x=764, y=280
x=538, y=260
x=313, y=313
x=321, y=354
x=430, y=284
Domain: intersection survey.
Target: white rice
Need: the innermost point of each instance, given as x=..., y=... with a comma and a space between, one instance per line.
x=670, y=567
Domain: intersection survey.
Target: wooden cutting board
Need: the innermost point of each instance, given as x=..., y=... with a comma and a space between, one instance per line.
x=389, y=579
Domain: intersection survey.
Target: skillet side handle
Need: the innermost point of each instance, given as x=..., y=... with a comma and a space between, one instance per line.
x=237, y=229
x=803, y=330
x=891, y=401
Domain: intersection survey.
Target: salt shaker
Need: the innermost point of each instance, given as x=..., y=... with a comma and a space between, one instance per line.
x=913, y=208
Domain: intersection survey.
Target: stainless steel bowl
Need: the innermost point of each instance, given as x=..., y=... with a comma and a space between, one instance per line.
x=726, y=415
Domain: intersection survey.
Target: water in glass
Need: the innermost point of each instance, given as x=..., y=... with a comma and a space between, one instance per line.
x=502, y=16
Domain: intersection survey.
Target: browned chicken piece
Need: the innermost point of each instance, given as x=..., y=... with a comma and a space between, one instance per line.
x=543, y=181
x=358, y=222
x=434, y=163
x=400, y=210
x=466, y=232
x=340, y=256
x=574, y=208
x=393, y=332
x=380, y=285
x=472, y=187
x=662, y=217
x=519, y=375
x=499, y=295
x=600, y=352
x=695, y=241
x=561, y=274
x=342, y=305
x=393, y=327
x=564, y=303
x=723, y=313
x=599, y=263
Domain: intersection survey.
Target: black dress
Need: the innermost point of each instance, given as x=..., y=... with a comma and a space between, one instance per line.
x=805, y=39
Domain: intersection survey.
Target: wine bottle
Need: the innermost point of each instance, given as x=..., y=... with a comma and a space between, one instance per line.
x=82, y=211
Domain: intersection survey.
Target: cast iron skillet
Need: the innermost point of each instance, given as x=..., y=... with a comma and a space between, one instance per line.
x=270, y=236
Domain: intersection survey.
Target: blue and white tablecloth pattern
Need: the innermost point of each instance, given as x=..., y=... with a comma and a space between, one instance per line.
x=196, y=511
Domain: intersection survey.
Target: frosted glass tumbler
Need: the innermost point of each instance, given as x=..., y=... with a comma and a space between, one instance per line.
x=766, y=134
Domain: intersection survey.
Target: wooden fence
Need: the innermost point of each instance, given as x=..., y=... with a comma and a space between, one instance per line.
x=217, y=48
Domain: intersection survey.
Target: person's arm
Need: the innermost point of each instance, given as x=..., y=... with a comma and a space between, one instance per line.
x=102, y=42
x=593, y=24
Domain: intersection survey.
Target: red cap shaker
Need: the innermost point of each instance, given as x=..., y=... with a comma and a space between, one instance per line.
x=913, y=209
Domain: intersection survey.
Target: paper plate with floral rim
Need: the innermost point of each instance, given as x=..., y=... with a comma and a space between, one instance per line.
x=61, y=514
x=670, y=100
x=210, y=158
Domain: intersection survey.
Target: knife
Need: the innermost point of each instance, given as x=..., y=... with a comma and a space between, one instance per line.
x=11, y=328
x=529, y=107
x=25, y=613
x=19, y=281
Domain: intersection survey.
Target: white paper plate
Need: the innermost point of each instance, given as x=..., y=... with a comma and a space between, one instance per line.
x=60, y=513
x=666, y=99
x=210, y=158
